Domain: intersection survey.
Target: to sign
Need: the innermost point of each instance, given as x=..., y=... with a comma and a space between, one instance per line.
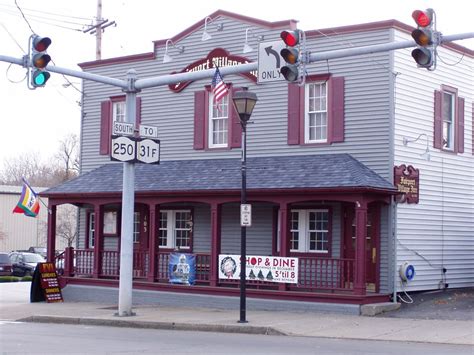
x=148, y=131
x=123, y=148
x=245, y=215
x=148, y=151
x=270, y=61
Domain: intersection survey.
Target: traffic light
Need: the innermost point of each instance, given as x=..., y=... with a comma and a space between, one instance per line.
x=291, y=55
x=425, y=54
x=39, y=59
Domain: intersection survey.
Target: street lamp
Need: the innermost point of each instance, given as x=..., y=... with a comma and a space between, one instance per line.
x=244, y=102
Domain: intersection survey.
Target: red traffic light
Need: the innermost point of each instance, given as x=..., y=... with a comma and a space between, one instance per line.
x=40, y=44
x=423, y=18
x=291, y=38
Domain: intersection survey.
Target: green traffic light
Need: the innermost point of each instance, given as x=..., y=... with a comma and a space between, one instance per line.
x=40, y=78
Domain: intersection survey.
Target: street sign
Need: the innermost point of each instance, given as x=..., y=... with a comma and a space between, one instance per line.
x=123, y=149
x=148, y=151
x=245, y=215
x=270, y=61
x=148, y=131
x=122, y=129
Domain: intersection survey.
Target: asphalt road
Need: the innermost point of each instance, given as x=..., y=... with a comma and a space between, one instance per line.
x=34, y=338
x=449, y=304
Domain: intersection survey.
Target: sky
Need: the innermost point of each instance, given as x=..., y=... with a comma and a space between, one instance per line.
x=34, y=121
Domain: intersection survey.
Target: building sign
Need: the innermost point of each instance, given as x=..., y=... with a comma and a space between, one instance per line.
x=260, y=268
x=218, y=57
x=406, y=179
x=182, y=268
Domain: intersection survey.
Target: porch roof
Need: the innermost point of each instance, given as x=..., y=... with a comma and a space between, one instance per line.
x=329, y=171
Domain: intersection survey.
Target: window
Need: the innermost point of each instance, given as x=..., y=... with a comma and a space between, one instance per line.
x=448, y=120
x=316, y=122
x=316, y=111
x=110, y=222
x=112, y=110
x=218, y=122
x=447, y=107
x=91, y=230
x=175, y=229
x=118, y=111
x=309, y=231
x=215, y=128
x=136, y=227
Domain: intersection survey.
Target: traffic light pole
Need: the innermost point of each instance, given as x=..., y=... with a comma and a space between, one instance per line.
x=131, y=86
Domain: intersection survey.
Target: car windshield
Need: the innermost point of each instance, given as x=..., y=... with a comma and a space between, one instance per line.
x=4, y=259
x=33, y=258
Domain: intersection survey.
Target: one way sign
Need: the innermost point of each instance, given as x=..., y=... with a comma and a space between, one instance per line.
x=270, y=61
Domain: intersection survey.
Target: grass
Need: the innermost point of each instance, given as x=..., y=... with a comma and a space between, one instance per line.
x=15, y=278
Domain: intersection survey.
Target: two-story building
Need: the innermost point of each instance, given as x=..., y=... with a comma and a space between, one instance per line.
x=325, y=163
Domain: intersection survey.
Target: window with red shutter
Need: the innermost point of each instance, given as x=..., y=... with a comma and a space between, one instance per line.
x=114, y=110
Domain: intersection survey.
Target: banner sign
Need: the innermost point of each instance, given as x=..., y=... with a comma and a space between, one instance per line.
x=182, y=268
x=260, y=268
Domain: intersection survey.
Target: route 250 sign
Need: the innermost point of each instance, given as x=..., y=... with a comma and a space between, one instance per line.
x=130, y=149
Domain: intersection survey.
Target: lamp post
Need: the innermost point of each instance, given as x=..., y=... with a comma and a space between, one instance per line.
x=244, y=102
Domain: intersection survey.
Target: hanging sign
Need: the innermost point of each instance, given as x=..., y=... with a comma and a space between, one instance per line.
x=407, y=181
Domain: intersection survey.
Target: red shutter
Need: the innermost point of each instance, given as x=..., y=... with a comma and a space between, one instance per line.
x=294, y=113
x=105, y=123
x=138, y=112
x=472, y=111
x=199, y=119
x=460, y=126
x=235, y=129
x=336, y=110
x=438, y=120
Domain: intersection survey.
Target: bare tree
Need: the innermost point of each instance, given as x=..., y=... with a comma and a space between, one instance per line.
x=68, y=156
x=63, y=166
x=66, y=224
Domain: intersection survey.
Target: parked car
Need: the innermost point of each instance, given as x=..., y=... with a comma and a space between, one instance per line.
x=24, y=264
x=38, y=250
x=5, y=265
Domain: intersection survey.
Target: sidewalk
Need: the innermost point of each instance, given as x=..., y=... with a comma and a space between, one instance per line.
x=296, y=323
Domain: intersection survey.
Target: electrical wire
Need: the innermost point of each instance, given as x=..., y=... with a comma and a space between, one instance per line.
x=409, y=300
x=449, y=64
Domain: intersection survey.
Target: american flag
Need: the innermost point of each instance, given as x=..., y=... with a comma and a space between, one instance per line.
x=219, y=88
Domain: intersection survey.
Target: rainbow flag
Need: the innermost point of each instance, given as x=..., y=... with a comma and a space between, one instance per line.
x=29, y=202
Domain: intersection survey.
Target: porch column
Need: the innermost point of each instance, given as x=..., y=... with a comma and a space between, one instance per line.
x=215, y=243
x=284, y=237
x=152, y=242
x=51, y=249
x=98, y=239
x=361, y=231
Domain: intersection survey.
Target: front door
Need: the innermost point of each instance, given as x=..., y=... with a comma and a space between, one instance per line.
x=371, y=245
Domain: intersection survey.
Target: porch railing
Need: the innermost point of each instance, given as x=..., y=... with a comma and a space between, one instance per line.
x=326, y=274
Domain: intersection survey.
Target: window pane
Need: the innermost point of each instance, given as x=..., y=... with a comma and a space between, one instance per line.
x=163, y=231
x=218, y=122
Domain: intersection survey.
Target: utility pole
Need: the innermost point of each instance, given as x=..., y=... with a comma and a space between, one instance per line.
x=97, y=29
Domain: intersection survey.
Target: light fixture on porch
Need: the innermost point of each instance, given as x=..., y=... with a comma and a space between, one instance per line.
x=206, y=35
x=244, y=102
x=426, y=153
x=166, y=57
x=247, y=47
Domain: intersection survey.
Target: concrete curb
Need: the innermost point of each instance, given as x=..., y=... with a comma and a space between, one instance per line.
x=220, y=328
